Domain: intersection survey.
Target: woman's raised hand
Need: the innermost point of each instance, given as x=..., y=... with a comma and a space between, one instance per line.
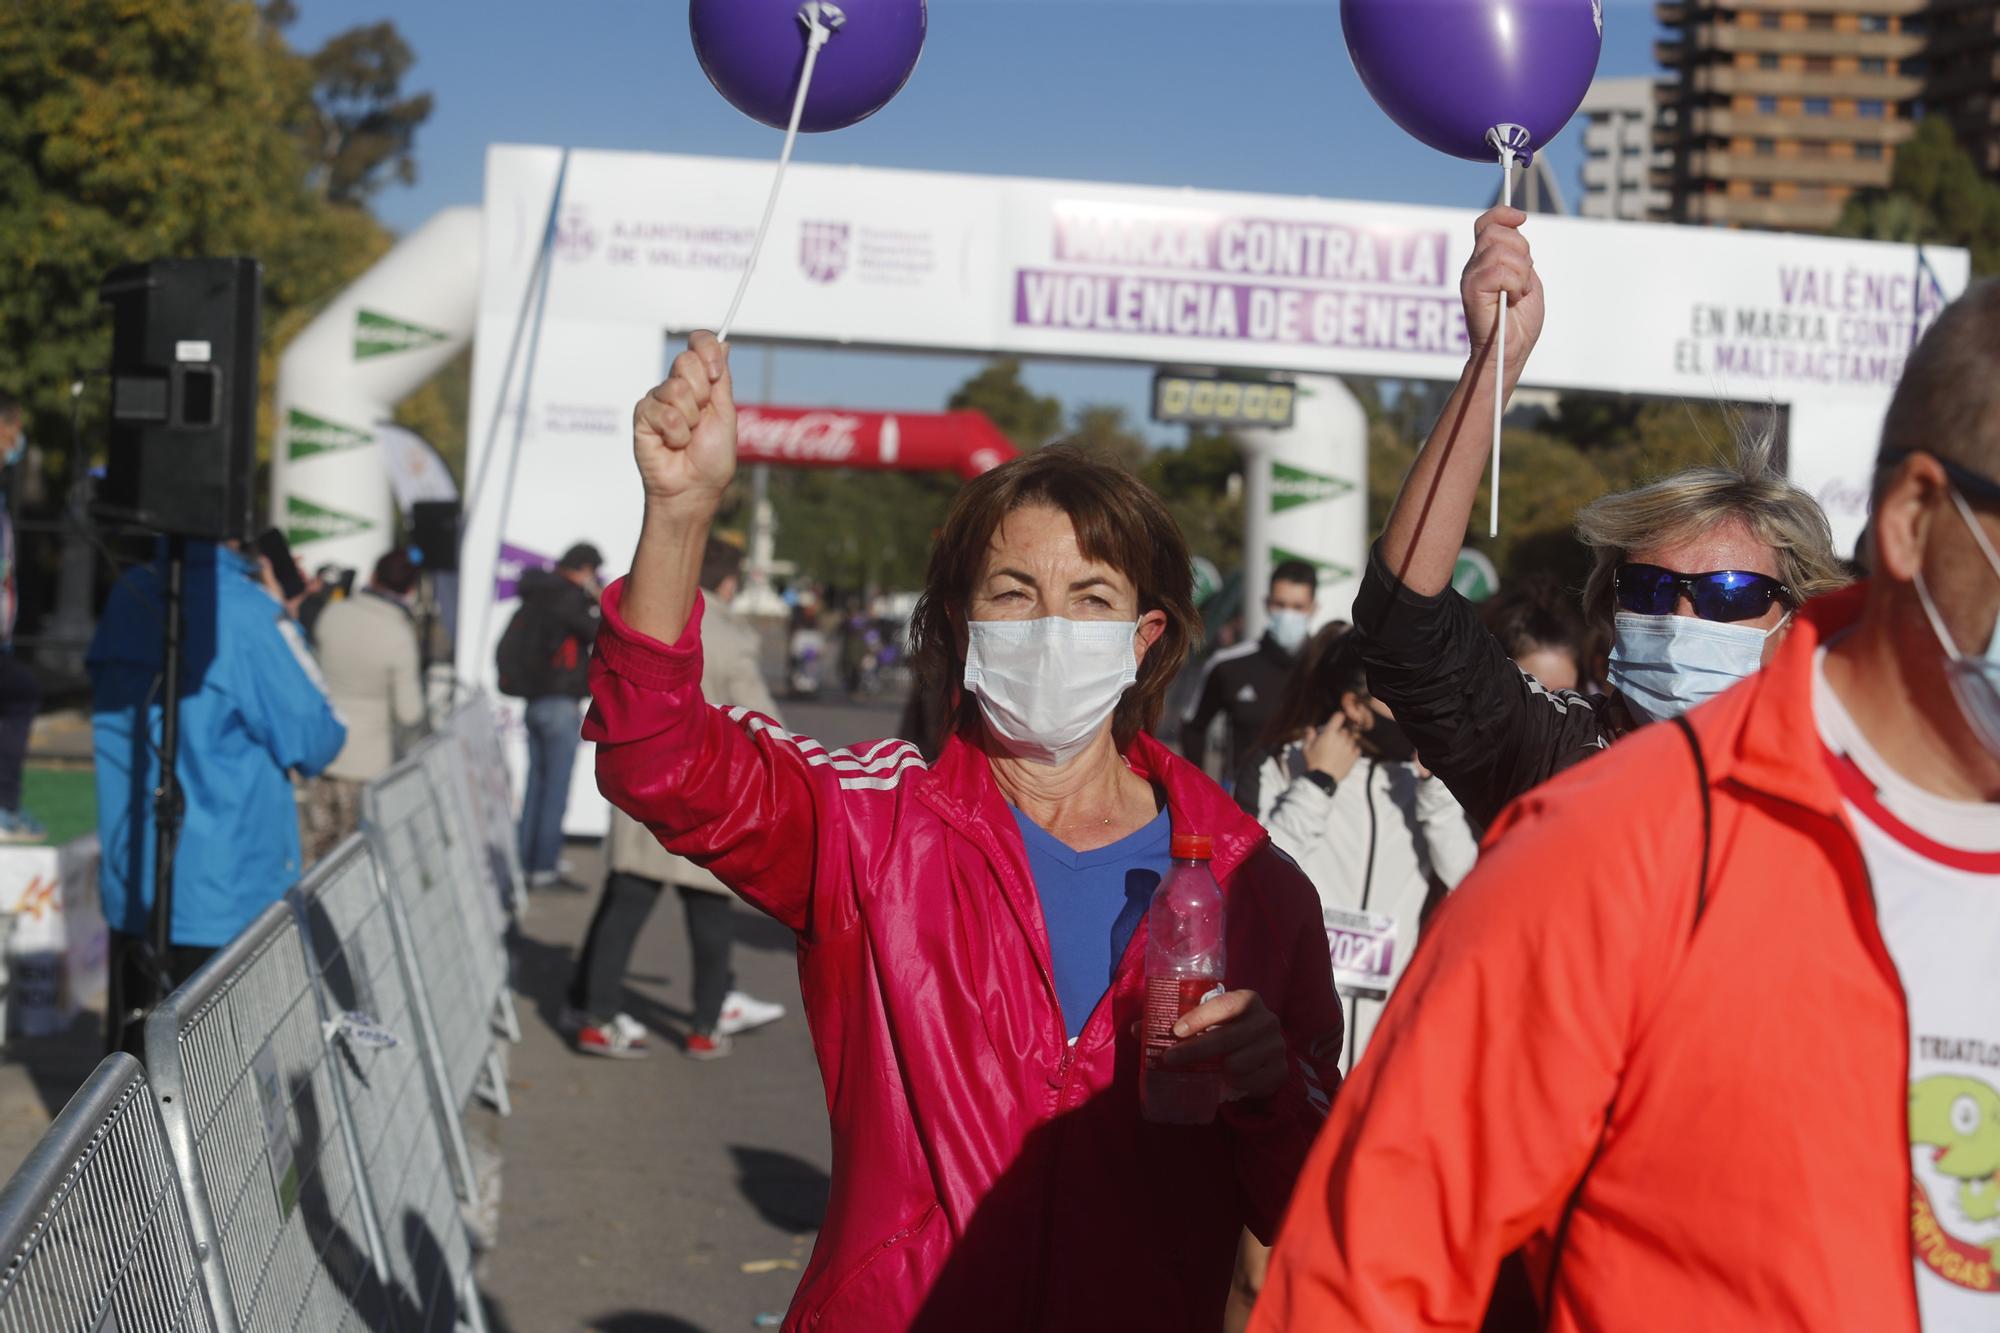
x=1501, y=262
x=684, y=430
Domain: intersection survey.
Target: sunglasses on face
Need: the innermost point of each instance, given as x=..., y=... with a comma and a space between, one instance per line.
x=1724, y=595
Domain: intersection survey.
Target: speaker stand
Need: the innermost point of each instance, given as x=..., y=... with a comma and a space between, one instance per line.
x=168, y=805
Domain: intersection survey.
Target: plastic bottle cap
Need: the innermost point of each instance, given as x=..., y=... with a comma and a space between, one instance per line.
x=1192, y=847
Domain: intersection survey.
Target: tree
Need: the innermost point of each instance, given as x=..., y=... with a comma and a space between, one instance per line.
x=1937, y=195
x=1202, y=485
x=1595, y=444
x=859, y=530
x=133, y=132
x=359, y=128
x=1102, y=433
x=1028, y=420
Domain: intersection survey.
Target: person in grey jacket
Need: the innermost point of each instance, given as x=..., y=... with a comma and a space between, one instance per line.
x=640, y=867
x=1342, y=792
x=368, y=653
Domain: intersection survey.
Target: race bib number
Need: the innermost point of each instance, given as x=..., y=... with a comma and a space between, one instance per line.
x=1364, y=952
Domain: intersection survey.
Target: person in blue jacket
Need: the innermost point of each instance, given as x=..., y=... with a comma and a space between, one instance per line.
x=253, y=712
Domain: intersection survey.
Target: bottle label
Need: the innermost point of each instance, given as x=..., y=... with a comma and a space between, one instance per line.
x=1167, y=998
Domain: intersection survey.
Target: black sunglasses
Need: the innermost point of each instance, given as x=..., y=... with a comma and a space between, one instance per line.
x=1971, y=485
x=1725, y=595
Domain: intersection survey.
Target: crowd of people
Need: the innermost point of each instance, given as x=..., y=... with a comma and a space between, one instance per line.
x=1698, y=1033
x=1600, y=962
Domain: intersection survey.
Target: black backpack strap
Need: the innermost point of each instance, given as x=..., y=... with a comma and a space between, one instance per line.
x=1686, y=729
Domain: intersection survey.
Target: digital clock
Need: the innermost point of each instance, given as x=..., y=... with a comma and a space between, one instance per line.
x=1209, y=400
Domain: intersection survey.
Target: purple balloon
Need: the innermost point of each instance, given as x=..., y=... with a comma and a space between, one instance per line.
x=754, y=50
x=1448, y=71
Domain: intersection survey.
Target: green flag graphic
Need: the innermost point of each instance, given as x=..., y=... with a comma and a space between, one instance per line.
x=1294, y=486
x=306, y=435
x=379, y=335
x=1327, y=568
x=309, y=522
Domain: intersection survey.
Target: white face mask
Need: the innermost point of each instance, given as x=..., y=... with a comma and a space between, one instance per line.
x=1289, y=629
x=1047, y=687
x=1975, y=681
x=1665, y=665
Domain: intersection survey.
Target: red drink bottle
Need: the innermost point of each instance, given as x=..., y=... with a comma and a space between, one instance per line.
x=1183, y=968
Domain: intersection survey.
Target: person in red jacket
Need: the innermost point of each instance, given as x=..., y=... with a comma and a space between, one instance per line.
x=971, y=931
x=1713, y=1028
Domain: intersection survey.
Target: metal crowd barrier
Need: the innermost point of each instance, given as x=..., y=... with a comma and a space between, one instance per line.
x=473, y=726
x=407, y=1136
x=297, y=1160
x=465, y=854
x=94, y=1235
x=462, y=965
x=257, y=1118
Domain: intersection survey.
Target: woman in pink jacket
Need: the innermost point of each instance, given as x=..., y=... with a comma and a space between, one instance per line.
x=971, y=933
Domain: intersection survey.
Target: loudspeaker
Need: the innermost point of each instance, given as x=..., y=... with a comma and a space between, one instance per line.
x=434, y=534
x=183, y=396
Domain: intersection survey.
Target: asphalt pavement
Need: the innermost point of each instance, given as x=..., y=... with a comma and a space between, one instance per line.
x=661, y=1195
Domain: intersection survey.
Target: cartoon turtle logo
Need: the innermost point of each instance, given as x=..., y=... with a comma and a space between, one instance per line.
x=1958, y=1120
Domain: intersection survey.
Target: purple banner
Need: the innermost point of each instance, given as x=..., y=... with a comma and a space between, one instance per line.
x=507, y=573
x=1191, y=307
x=1106, y=235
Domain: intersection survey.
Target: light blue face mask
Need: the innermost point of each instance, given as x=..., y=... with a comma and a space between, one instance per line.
x=1665, y=665
x=1975, y=681
x=1290, y=629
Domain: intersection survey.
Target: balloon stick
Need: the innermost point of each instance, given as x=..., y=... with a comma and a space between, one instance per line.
x=1505, y=140
x=821, y=19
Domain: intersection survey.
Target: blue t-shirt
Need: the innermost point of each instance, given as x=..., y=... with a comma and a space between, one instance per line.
x=1091, y=903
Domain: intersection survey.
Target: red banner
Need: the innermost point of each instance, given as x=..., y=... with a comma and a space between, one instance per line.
x=962, y=442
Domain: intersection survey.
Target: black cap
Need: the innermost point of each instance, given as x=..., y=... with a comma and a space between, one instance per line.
x=581, y=556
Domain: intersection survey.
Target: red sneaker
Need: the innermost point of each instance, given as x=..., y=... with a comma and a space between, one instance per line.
x=706, y=1046
x=614, y=1040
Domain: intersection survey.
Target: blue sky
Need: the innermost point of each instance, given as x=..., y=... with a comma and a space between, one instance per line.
x=1226, y=94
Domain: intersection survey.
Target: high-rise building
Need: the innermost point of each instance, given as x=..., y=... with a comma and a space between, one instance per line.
x=1783, y=109
x=1962, y=78
x=1619, y=152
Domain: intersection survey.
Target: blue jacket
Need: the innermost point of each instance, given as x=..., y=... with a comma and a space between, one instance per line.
x=252, y=711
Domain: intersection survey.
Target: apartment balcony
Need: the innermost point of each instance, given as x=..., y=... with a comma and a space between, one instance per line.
x=1771, y=214
x=1725, y=79
x=1627, y=134
x=1723, y=123
x=1631, y=174
x=1670, y=13
x=1862, y=173
x=1809, y=42
x=1631, y=206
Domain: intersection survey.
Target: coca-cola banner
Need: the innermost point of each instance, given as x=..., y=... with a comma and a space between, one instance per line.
x=962, y=442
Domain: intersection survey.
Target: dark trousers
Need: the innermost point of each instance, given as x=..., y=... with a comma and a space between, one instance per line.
x=20, y=696
x=129, y=983
x=598, y=986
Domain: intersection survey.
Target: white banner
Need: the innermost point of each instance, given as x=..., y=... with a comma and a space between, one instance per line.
x=991, y=264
